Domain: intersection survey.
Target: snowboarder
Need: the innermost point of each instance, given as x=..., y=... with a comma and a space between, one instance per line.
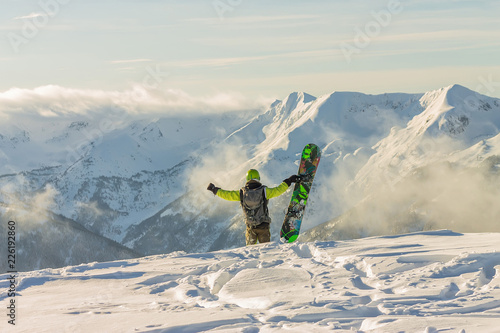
x=253, y=198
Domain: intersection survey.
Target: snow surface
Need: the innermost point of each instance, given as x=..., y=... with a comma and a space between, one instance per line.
x=434, y=281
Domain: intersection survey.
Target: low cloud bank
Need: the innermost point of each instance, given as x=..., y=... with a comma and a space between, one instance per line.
x=52, y=100
x=439, y=195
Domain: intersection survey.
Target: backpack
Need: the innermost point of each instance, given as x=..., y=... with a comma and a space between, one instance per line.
x=254, y=204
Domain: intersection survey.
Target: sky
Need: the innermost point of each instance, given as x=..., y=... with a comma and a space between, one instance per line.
x=251, y=49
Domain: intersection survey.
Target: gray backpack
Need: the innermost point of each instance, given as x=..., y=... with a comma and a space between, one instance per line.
x=254, y=204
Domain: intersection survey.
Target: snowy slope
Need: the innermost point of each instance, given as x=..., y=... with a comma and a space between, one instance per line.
x=439, y=281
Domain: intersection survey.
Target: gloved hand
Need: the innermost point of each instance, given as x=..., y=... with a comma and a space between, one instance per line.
x=212, y=188
x=292, y=179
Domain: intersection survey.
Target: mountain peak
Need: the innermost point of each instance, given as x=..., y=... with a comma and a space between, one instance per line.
x=296, y=97
x=448, y=97
x=462, y=99
x=456, y=95
x=291, y=102
x=457, y=90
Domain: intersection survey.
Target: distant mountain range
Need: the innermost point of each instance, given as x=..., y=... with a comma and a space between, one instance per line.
x=128, y=185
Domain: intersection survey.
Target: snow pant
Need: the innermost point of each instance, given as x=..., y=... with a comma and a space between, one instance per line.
x=259, y=233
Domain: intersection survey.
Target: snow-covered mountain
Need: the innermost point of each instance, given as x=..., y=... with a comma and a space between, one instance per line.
x=44, y=239
x=393, y=163
x=105, y=174
x=440, y=170
x=434, y=281
x=465, y=117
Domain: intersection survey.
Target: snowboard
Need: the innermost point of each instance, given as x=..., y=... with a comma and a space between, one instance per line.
x=295, y=213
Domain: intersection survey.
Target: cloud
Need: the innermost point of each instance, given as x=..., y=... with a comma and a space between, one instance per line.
x=24, y=204
x=89, y=210
x=56, y=101
x=257, y=19
x=437, y=196
x=428, y=192
x=30, y=16
x=280, y=57
x=129, y=61
x=225, y=165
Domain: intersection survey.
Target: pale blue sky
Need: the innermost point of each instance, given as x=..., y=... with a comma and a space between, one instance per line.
x=252, y=47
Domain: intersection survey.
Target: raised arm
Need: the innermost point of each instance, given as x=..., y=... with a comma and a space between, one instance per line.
x=273, y=192
x=223, y=194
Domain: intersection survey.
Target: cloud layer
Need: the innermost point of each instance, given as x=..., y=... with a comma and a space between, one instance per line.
x=53, y=101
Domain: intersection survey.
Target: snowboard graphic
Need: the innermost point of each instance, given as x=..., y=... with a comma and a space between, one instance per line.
x=295, y=213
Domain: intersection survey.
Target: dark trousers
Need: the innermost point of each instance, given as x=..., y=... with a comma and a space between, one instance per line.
x=261, y=233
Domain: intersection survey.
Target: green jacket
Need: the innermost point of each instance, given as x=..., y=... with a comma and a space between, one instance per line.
x=271, y=192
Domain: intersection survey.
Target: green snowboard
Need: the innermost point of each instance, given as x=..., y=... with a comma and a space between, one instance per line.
x=295, y=213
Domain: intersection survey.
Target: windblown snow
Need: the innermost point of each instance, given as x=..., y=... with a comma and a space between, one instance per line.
x=435, y=281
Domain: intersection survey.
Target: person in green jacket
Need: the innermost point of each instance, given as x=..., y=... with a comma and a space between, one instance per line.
x=253, y=198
